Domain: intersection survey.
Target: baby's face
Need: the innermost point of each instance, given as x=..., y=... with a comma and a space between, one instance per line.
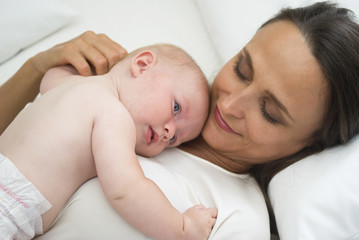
x=168, y=111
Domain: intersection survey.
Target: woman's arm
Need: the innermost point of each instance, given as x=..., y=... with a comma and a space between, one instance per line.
x=87, y=52
x=17, y=92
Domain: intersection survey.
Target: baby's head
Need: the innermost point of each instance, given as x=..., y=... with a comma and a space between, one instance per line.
x=171, y=99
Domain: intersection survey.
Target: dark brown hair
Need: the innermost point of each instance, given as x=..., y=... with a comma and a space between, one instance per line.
x=332, y=35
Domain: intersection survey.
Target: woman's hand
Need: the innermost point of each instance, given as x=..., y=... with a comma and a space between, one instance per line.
x=87, y=52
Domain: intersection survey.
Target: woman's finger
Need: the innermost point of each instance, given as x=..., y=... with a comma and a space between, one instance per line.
x=108, y=52
x=113, y=51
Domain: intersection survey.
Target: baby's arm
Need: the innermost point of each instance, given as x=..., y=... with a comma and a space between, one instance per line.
x=135, y=197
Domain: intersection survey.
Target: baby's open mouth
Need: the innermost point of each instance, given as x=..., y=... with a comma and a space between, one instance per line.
x=151, y=136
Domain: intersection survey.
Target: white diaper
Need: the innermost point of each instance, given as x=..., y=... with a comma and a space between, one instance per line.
x=21, y=204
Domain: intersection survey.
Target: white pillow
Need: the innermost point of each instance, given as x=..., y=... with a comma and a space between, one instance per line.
x=318, y=197
x=232, y=23
x=23, y=22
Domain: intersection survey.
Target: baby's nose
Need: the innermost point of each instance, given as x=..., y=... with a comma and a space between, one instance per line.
x=170, y=130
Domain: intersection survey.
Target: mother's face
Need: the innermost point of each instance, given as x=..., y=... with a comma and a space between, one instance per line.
x=268, y=100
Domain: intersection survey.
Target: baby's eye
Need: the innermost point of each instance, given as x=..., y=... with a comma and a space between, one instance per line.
x=176, y=108
x=173, y=140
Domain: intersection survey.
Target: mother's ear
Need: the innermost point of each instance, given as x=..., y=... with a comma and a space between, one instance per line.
x=142, y=62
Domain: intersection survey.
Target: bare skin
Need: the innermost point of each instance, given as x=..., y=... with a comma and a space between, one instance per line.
x=246, y=125
x=88, y=48
x=86, y=155
x=94, y=134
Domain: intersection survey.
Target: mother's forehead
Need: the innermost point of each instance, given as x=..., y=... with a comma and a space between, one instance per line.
x=277, y=37
x=280, y=49
x=282, y=60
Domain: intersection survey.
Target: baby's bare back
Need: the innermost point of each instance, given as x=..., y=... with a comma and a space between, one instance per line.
x=50, y=140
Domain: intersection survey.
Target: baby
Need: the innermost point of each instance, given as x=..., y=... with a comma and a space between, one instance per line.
x=156, y=97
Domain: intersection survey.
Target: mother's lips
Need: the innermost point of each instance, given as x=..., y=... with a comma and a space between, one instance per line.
x=221, y=123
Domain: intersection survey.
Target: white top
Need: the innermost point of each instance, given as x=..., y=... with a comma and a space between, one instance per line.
x=186, y=180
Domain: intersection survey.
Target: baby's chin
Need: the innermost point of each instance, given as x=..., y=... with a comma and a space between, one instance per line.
x=148, y=151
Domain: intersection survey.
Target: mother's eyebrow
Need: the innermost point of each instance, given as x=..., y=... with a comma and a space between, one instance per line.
x=269, y=93
x=279, y=104
x=249, y=61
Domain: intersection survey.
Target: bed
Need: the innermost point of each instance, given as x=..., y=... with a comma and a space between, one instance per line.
x=316, y=198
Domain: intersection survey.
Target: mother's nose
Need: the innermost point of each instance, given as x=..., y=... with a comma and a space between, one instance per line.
x=236, y=102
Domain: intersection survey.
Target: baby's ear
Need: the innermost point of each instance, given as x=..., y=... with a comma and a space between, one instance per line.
x=142, y=62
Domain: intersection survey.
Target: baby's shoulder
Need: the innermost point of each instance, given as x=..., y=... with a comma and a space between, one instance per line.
x=92, y=91
x=101, y=96
x=84, y=96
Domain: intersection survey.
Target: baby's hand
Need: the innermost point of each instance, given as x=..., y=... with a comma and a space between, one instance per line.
x=198, y=222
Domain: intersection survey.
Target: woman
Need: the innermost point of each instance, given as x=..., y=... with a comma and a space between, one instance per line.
x=286, y=95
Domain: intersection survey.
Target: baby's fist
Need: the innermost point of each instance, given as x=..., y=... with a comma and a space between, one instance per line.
x=198, y=222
